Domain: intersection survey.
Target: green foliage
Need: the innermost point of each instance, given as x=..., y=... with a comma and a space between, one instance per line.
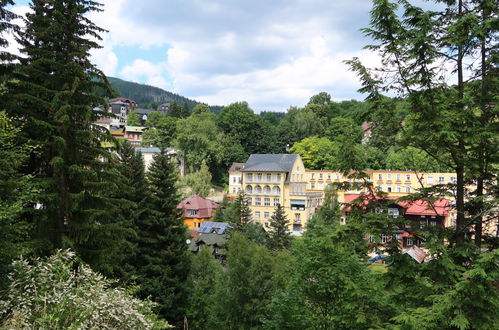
x=162, y=134
x=243, y=213
x=330, y=289
x=341, y=129
x=317, y=153
x=199, y=182
x=133, y=118
x=161, y=260
x=63, y=293
x=205, y=283
x=411, y=158
x=199, y=108
x=249, y=284
x=147, y=94
x=154, y=118
x=279, y=237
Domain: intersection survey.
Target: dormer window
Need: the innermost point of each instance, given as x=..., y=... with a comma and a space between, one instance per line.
x=192, y=212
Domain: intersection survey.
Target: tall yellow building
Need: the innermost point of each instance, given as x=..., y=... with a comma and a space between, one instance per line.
x=272, y=179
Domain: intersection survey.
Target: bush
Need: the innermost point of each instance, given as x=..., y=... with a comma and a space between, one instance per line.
x=62, y=293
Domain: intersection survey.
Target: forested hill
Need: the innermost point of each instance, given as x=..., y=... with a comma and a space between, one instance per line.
x=148, y=95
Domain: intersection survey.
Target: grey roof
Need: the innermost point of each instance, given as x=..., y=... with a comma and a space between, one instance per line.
x=152, y=149
x=148, y=111
x=270, y=163
x=236, y=167
x=208, y=227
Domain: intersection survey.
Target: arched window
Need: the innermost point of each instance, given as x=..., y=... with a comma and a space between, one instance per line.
x=266, y=190
x=276, y=190
x=258, y=190
x=249, y=189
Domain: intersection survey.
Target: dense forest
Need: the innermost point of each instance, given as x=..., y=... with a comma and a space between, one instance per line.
x=90, y=239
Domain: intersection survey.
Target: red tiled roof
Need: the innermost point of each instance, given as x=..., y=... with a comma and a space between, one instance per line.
x=202, y=205
x=422, y=207
x=418, y=207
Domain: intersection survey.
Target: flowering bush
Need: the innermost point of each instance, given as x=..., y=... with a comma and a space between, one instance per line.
x=62, y=293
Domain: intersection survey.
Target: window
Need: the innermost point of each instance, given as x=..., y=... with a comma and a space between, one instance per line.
x=192, y=212
x=297, y=204
x=389, y=176
x=297, y=218
x=313, y=175
x=398, y=188
x=234, y=179
x=257, y=214
x=407, y=189
x=329, y=176
x=276, y=202
x=398, y=176
x=258, y=190
x=321, y=186
x=259, y=177
x=312, y=185
x=320, y=175
x=258, y=201
x=453, y=180
x=389, y=188
x=372, y=239
x=266, y=215
x=337, y=176
x=268, y=177
x=234, y=190
x=266, y=190
x=441, y=180
x=408, y=177
x=277, y=178
x=393, y=211
x=266, y=201
x=385, y=239
x=249, y=189
x=429, y=180
x=380, y=187
x=380, y=176
x=408, y=242
x=249, y=177
x=433, y=223
x=276, y=190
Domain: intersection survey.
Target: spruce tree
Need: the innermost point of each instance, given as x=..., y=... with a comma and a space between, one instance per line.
x=52, y=92
x=279, y=237
x=6, y=26
x=174, y=110
x=162, y=260
x=185, y=111
x=243, y=213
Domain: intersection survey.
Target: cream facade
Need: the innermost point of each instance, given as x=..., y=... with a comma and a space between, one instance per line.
x=235, y=179
x=271, y=180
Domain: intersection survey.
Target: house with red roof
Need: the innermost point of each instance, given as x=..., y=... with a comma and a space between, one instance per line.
x=419, y=213
x=197, y=210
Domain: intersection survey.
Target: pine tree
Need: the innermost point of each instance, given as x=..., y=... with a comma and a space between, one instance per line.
x=6, y=17
x=174, y=110
x=162, y=261
x=279, y=230
x=243, y=212
x=185, y=111
x=52, y=92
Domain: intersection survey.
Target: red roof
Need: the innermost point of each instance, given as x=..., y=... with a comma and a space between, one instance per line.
x=418, y=207
x=203, y=206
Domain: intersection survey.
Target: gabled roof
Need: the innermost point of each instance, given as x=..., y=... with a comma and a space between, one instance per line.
x=270, y=163
x=418, y=207
x=137, y=129
x=236, y=167
x=152, y=150
x=204, y=206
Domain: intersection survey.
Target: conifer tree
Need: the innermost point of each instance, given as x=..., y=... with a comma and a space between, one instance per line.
x=185, y=111
x=162, y=261
x=243, y=212
x=52, y=92
x=174, y=110
x=6, y=26
x=279, y=237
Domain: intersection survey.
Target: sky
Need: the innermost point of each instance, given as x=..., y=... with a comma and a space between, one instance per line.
x=271, y=54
